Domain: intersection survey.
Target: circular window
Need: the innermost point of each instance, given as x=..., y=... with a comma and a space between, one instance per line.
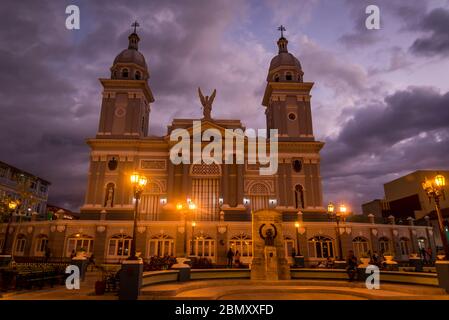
x=292, y=116
x=297, y=165
x=112, y=164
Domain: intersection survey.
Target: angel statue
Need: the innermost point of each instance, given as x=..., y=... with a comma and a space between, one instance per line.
x=207, y=103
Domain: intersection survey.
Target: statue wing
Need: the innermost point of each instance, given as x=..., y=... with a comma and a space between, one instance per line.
x=200, y=94
x=260, y=231
x=212, y=97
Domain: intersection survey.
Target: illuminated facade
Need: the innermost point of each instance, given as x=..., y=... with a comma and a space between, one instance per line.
x=224, y=194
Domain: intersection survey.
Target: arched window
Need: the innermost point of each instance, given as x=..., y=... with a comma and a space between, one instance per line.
x=19, y=248
x=405, y=246
x=289, y=247
x=259, y=196
x=150, y=202
x=276, y=78
x=360, y=246
x=321, y=247
x=137, y=75
x=384, y=245
x=299, y=196
x=79, y=242
x=206, y=190
x=288, y=76
x=203, y=246
x=109, y=195
x=243, y=244
x=161, y=245
x=41, y=245
x=119, y=245
x=125, y=73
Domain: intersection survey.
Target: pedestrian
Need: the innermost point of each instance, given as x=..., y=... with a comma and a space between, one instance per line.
x=351, y=265
x=375, y=258
x=237, y=259
x=92, y=262
x=230, y=256
x=47, y=253
x=429, y=254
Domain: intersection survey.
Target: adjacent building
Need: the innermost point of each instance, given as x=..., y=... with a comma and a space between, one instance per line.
x=29, y=189
x=406, y=199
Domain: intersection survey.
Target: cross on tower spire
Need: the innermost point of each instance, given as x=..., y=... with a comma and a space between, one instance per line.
x=281, y=28
x=135, y=25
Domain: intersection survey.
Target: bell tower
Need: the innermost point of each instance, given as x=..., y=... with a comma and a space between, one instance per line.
x=287, y=96
x=125, y=108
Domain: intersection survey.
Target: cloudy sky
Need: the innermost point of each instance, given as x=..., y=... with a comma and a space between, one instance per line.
x=380, y=101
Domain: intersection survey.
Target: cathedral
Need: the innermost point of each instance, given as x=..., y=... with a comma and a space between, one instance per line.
x=224, y=194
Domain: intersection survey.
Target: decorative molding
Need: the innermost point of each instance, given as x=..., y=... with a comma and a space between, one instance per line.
x=53, y=228
x=374, y=232
x=414, y=232
x=348, y=230
x=101, y=229
x=153, y=164
x=222, y=229
x=395, y=232
x=141, y=229
x=11, y=230
x=61, y=228
x=29, y=229
x=302, y=230
x=181, y=229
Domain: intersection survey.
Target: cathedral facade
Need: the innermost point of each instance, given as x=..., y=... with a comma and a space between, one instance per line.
x=224, y=193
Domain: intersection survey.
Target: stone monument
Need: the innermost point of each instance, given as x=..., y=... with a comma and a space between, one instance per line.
x=269, y=262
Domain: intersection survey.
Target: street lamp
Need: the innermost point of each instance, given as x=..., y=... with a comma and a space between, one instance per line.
x=138, y=182
x=191, y=245
x=337, y=215
x=435, y=189
x=182, y=208
x=297, y=226
x=12, y=206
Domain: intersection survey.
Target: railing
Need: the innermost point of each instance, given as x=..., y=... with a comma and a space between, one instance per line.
x=416, y=278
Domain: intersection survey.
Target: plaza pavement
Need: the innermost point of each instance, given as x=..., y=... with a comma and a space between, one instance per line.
x=242, y=290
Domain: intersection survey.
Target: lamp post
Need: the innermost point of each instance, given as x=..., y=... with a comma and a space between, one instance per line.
x=138, y=182
x=191, y=245
x=337, y=215
x=183, y=207
x=435, y=189
x=12, y=205
x=297, y=226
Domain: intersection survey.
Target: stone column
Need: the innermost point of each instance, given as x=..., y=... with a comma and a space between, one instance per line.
x=170, y=180
x=100, y=244
x=240, y=183
x=185, y=180
x=288, y=184
x=225, y=183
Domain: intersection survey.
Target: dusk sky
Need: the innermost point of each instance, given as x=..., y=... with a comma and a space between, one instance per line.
x=380, y=100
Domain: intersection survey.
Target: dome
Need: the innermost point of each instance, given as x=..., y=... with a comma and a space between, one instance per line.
x=131, y=56
x=284, y=59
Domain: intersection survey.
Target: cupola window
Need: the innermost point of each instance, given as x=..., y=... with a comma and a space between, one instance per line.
x=288, y=76
x=276, y=77
x=125, y=73
x=137, y=75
